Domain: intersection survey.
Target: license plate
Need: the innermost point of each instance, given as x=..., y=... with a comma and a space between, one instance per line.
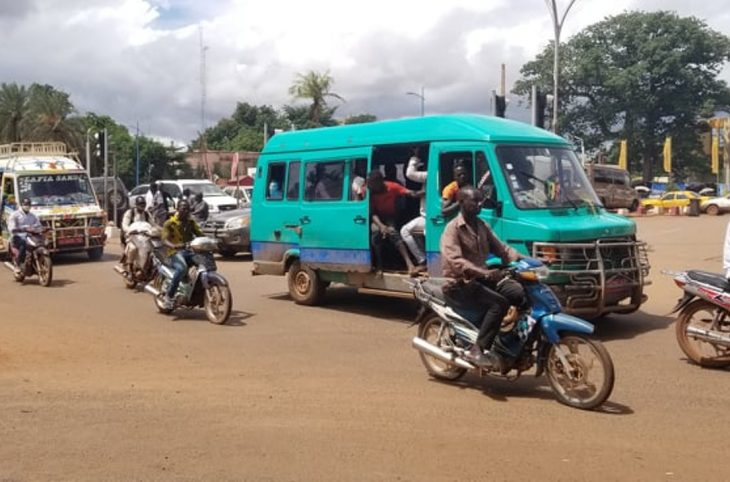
x=67, y=241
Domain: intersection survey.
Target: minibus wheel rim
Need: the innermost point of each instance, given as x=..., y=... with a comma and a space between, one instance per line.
x=302, y=282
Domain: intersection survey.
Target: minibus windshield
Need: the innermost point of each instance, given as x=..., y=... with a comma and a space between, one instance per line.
x=545, y=177
x=56, y=189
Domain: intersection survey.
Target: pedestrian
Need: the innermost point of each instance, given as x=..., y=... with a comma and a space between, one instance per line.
x=199, y=208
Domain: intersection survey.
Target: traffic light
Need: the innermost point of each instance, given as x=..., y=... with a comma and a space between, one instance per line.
x=540, y=106
x=500, y=105
x=100, y=143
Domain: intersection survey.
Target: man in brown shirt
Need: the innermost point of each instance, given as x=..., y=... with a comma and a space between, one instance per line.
x=465, y=246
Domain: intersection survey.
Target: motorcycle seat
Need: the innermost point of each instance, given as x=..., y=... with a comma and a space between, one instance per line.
x=468, y=310
x=712, y=279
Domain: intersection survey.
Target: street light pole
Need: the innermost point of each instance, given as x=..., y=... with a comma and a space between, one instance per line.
x=558, y=22
x=420, y=96
x=136, y=145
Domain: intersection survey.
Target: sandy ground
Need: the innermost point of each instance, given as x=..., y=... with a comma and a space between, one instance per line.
x=96, y=385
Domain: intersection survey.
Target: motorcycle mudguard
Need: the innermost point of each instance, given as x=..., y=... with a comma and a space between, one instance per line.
x=212, y=278
x=552, y=325
x=682, y=302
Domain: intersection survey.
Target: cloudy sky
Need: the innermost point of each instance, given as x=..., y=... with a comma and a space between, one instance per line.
x=139, y=60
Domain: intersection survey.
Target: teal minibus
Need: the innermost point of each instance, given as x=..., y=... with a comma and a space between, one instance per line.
x=310, y=219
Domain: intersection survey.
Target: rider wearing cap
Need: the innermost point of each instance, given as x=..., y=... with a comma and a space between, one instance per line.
x=18, y=224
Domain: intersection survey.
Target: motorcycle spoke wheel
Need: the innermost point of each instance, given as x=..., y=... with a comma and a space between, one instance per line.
x=706, y=316
x=44, y=268
x=588, y=379
x=435, y=331
x=218, y=303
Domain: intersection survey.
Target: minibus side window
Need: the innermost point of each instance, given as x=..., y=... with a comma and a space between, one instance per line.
x=447, y=162
x=9, y=192
x=358, y=173
x=292, y=182
x=324, y=181
x=275, y=181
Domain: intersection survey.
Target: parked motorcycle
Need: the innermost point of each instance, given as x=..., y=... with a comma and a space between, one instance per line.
x=703, y=323
x=37, y=258
x=579, y=369
x=202, y=285
x=138, y=267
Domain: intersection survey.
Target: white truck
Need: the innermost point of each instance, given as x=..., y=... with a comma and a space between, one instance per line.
x=60, y=192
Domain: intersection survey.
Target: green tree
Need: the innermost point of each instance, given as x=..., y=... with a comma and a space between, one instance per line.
x=360, y=119
x=316, y=87
x=52, y=117
x=13, y=111
x=641, y=76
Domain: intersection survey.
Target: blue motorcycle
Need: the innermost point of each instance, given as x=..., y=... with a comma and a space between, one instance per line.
x=579, y=369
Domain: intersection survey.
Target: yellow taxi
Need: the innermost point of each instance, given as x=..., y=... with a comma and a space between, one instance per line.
x=673, y=199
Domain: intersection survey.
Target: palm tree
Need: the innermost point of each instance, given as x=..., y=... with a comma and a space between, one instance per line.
x=13, y=111
x=51, y=117
x=315, y=86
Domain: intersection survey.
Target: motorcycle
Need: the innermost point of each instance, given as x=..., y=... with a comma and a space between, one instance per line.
x=202, y=285
x=142, y=240
x=579, y=369
x=703, y=322
x=37, y=258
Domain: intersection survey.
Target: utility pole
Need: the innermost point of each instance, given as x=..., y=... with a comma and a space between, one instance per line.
x=136, y=147
x=203, y=93
x=558, y=22
x=106, y=169
x=88, y=153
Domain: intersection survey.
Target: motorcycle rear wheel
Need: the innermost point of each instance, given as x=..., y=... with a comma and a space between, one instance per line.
x=580, y=390
x=701, y=313
x=218, y=303
x=429, y=331
x=44, y=268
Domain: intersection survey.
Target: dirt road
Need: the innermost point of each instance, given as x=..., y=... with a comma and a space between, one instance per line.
x=95, y=385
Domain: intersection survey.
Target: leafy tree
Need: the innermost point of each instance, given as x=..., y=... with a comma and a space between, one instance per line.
x=641, y=76
x=360, y=119
x=13, y=111
x=316, y=87
x=52, y=117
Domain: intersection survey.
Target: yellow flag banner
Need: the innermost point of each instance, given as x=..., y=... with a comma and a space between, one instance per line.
x=623, y=156
x=715, y=154
x=668, y=155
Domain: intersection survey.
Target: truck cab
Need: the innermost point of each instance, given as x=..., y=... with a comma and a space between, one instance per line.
x=60, y=192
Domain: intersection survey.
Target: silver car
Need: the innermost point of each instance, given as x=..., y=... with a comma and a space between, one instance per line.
x=231, y=229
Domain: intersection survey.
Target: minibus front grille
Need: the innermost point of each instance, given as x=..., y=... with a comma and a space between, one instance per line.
x=593, y=278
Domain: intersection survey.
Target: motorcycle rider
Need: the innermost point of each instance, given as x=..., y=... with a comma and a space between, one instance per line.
x=176, y=232
x=18, y=224
x=133, y=215
x=465, y=246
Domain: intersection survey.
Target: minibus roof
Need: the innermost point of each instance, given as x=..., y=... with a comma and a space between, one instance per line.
x=457, y=127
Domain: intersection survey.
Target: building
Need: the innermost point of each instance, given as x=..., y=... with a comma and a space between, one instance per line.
x=220, y=163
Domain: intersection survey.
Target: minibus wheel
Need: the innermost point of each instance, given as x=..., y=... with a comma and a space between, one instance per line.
x=305, y=287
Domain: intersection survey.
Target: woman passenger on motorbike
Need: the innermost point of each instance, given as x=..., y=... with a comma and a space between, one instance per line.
x=177, y=231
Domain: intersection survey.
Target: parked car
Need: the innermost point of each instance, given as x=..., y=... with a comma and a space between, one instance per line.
x=213, y=195
x=231, y=229
x=243, y=194
x=613, y=186
x=716, y=205
x=673, y=199
x=115, y=201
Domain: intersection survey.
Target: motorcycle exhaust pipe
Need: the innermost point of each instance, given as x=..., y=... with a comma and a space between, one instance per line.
x=707, y=335
x=151, y=290
x=9, y=265
x=423, y=346
x=119, y=269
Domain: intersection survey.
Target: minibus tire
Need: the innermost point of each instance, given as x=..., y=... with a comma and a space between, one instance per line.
x=305, y=287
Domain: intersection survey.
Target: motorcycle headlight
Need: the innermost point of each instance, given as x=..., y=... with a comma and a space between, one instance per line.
x=542, y=272
x=240, y=222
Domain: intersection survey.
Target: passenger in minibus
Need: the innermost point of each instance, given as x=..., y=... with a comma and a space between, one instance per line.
x=449, y=198
x=417, y=224
x=383, y=213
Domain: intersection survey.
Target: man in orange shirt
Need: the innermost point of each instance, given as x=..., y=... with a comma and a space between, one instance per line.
x=383, y=213
x=449, y=200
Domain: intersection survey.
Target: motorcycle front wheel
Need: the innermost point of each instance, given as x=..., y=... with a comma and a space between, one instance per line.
x=587, y=381
x=706, y=316
x=218, y=303
x=159, y=284
x=44, y=268
x=435, y=331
